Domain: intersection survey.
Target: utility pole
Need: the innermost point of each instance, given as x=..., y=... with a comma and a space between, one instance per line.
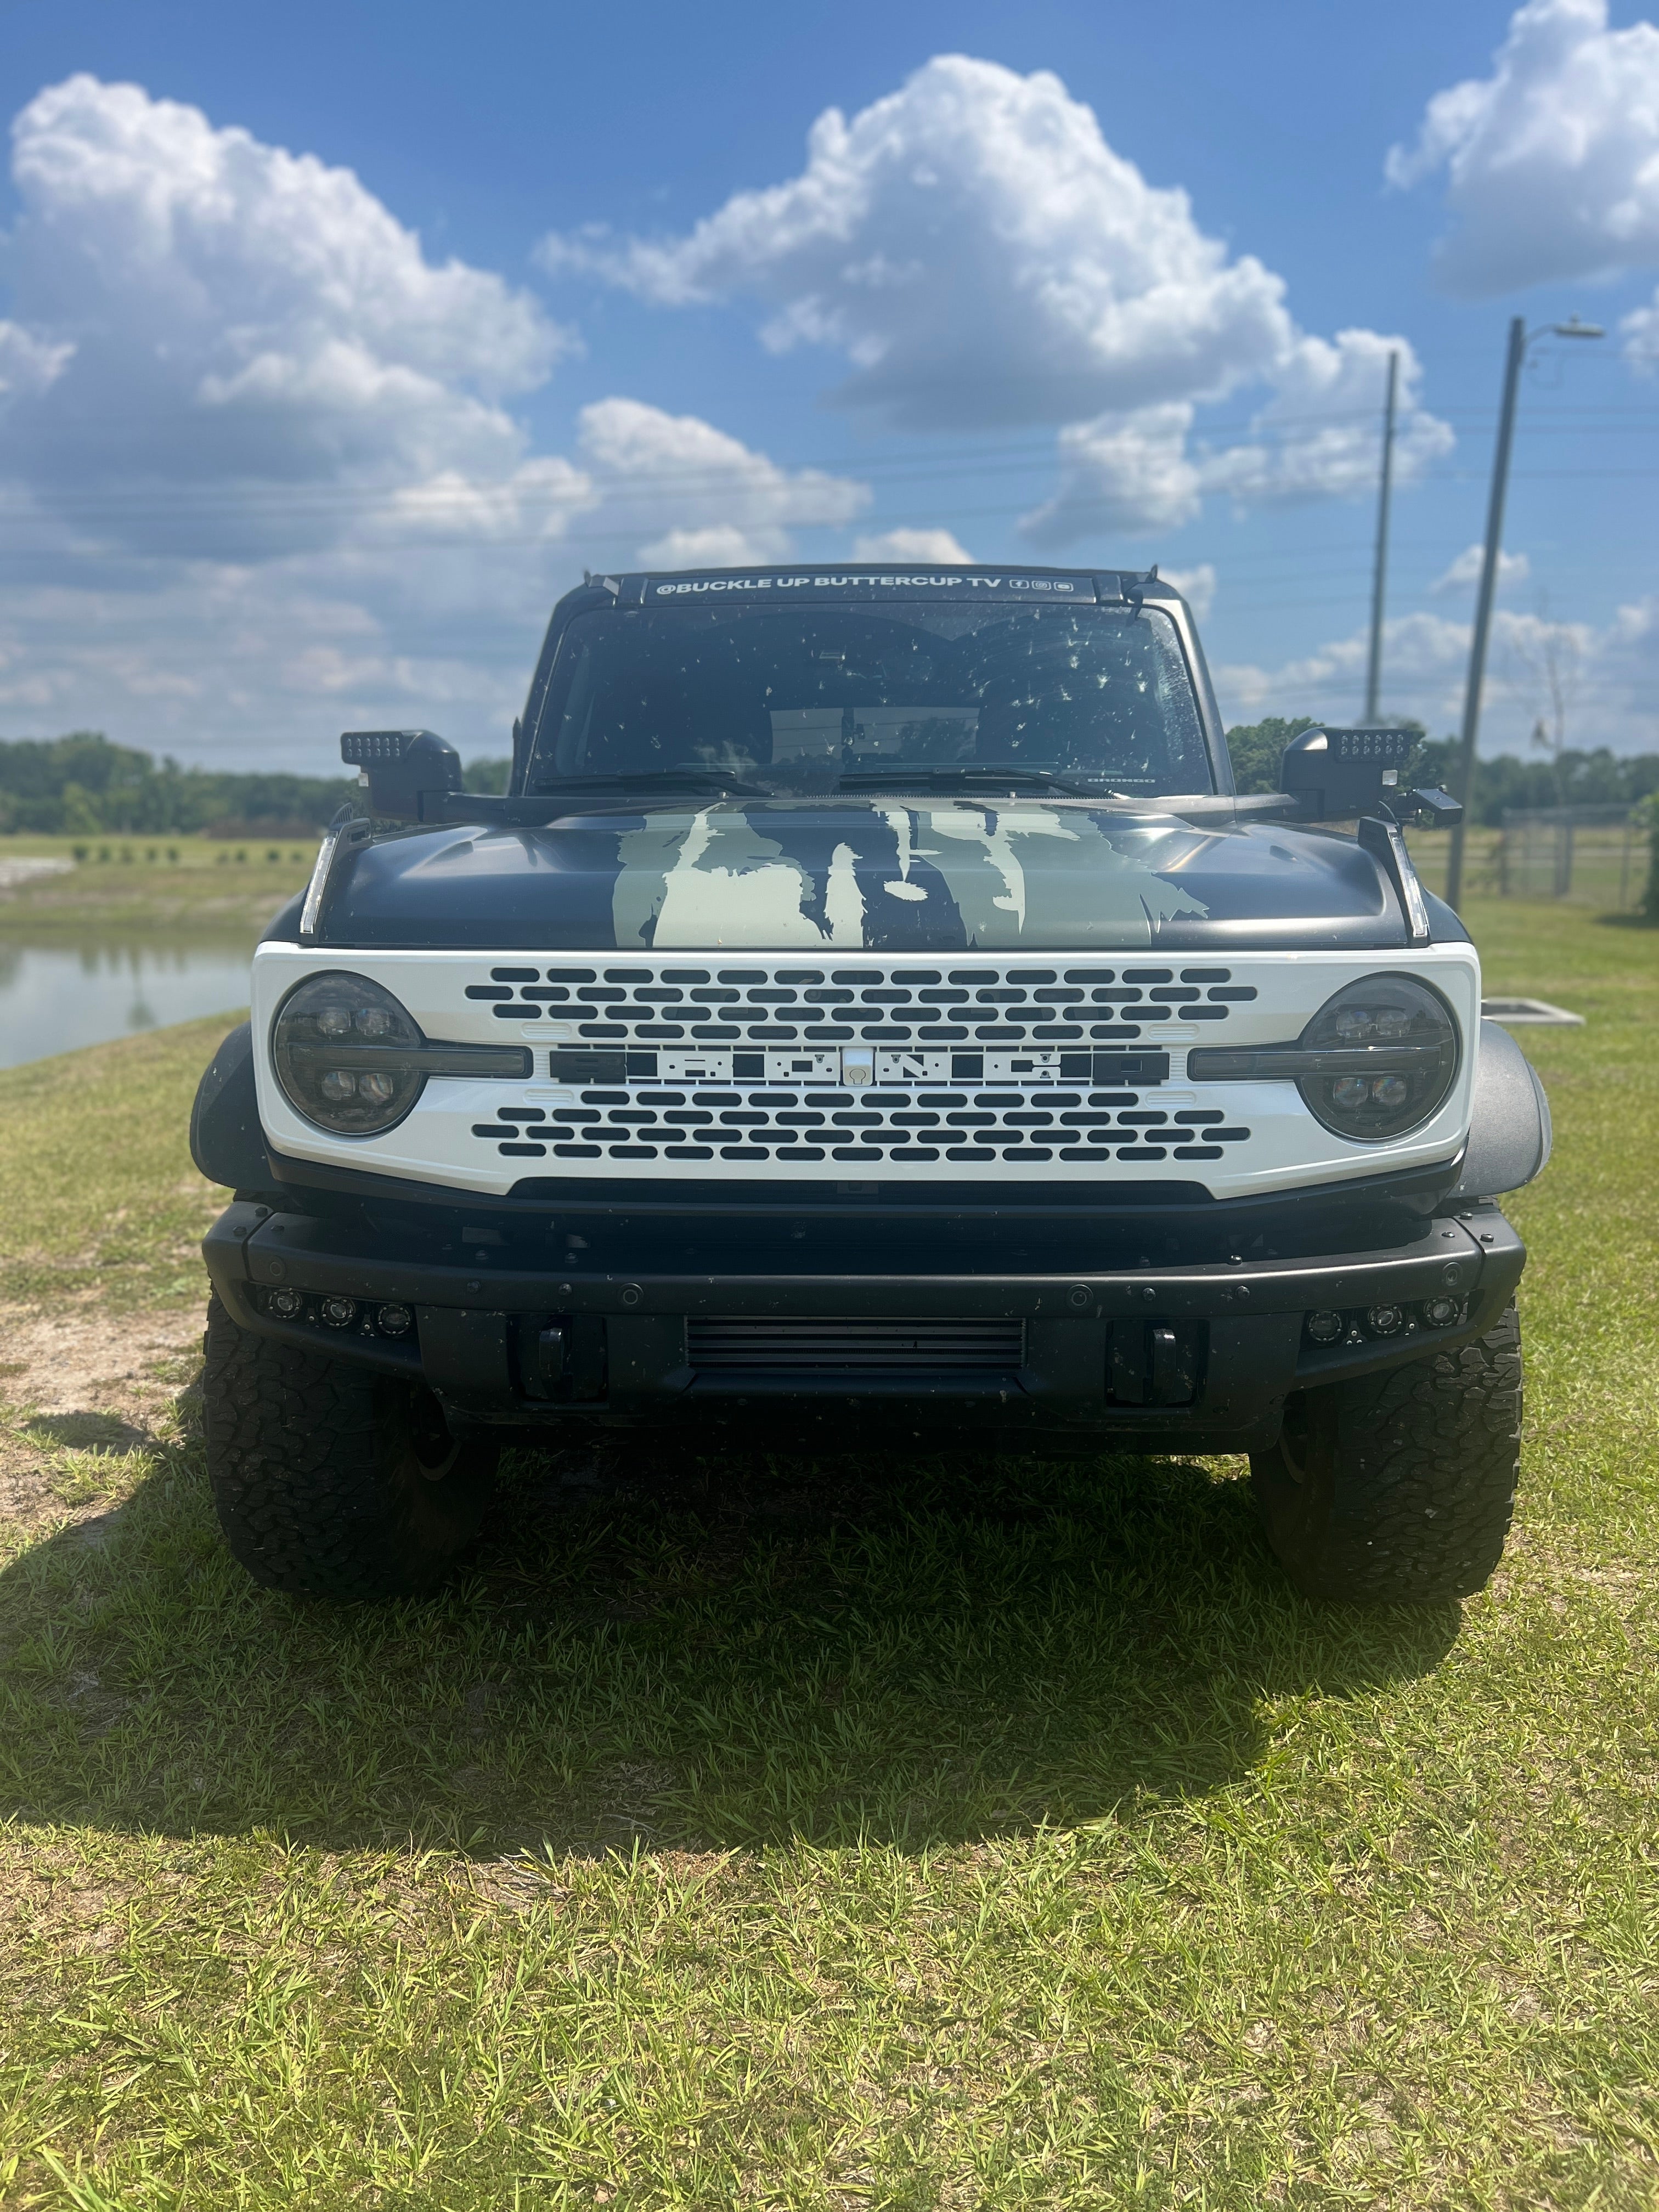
x=1379, y=579
x=1520, y=341
x=1477, y=676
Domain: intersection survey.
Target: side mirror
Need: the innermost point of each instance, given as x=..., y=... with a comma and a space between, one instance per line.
x=409, y=773
x=1434, y=810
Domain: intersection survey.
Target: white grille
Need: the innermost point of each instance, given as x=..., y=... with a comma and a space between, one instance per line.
x=863, y=1127
x=644, y=1035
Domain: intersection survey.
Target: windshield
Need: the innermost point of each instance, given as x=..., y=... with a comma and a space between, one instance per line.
x=817, y=699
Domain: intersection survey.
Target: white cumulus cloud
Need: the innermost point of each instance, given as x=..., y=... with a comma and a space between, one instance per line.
x=1120, y=472
x=203, y=309
x=1319, y=436
x=430, y=607
x=1615, y=665
x=1423, y=657
x=1464, y=573
x=1321, y=433
x=1552, y=161
x=937, y=549
x=535, y=503
x=29, y=363
x=721, y=503
x=979, y=256
x=1196, y=586
x=1641, y=331
x=259, y=465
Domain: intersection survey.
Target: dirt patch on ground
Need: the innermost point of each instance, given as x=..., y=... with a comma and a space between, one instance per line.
x=80, y=1385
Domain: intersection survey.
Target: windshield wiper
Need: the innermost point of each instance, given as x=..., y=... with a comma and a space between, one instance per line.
x=712, y=780
x=1002, y=775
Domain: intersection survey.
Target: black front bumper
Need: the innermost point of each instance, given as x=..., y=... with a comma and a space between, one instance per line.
x=1192, y=1357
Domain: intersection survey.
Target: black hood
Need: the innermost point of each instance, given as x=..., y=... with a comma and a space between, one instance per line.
x=891, y=875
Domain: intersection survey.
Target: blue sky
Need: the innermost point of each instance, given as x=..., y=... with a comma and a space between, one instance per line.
x=295, y=444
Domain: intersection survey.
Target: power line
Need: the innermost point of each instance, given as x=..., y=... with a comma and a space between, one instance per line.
x=723, y=477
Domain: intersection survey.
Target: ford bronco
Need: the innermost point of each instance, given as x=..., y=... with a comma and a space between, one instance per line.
x=871, y=1016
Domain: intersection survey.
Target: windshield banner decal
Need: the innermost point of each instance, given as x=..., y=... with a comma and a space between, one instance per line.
x=873, y=584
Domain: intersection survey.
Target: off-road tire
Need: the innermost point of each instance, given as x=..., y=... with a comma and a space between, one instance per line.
x=1398, y=1488
x=330, y=1480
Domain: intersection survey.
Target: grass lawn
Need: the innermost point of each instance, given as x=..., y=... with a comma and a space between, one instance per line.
x=169, y=883
x=912, y=1836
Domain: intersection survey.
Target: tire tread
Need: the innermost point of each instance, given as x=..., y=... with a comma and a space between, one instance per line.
x=306, y=1491
x=1423, y=1465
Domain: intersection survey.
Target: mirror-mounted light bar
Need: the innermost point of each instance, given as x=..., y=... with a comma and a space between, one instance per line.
x=1332, y=775
x=410, y=773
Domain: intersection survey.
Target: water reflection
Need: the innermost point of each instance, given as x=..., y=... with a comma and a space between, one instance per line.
x=54, y=997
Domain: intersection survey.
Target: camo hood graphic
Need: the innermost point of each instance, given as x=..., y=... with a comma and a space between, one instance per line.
x=959, y=874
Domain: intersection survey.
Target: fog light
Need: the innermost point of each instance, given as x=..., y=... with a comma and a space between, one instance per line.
x=1325, y=1328
x=396, y=1321
x=1441, y=1313
x=338, y=1313
x=287, y=1305
x=1385, y=1321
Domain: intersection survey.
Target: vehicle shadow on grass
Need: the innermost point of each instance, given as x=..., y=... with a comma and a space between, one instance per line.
x=656, y=1652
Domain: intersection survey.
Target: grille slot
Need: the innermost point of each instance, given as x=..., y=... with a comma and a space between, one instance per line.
x=644, y=1004
x=878, y=1346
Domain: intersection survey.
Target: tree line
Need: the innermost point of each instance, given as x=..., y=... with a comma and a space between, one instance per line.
x=83, y=785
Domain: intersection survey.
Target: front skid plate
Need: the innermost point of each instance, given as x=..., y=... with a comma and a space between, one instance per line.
x=1258, y=1349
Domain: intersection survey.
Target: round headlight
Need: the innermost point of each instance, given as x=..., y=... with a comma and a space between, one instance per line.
x=347, y=1054
x=1393, y=1047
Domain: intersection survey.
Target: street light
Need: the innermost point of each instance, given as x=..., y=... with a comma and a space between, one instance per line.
x=1521, y=341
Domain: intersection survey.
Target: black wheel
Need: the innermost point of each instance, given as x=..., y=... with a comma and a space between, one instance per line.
x=1399, y=1487
x=330, y=1480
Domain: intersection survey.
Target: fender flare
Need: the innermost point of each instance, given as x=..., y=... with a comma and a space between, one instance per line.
x=225, y=1141
x=1510, y=1131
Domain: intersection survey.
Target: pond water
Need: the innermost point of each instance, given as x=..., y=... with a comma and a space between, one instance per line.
x=56, y=997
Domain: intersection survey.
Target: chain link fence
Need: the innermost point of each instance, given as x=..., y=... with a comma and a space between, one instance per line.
x=1593, y=856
